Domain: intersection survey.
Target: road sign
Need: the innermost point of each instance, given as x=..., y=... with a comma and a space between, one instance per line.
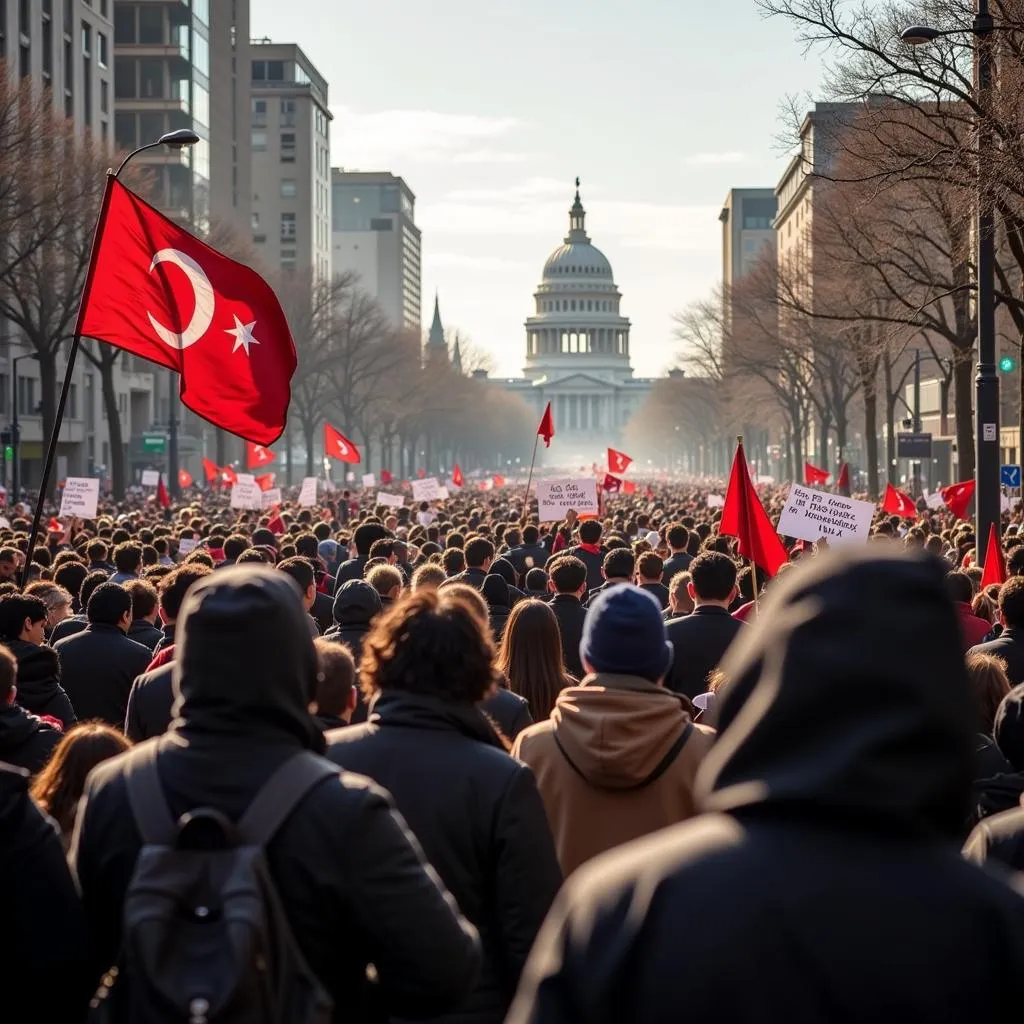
x=914, y=446
x=1009, y=476
x=155, y=444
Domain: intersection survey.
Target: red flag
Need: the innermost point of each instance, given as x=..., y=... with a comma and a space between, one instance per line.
x=338, y=446
x=158, y=292
x=813, y=475
x=628, y=487
x=499, y=480
x=276, y=525
x=648, y=491
x=54, y=525
x=547, y=426
x=457, y=479
x=228, y=476
x=385, y=476
x=421, y=473
x=265, y=482
x=743, y=516
x=898, y=503
x=185, y=477
x=256, y=455
x=162, y=497
x=211, y=470
x=995, y=563
x=957, y=497
x=843, y=484
x=611, y=483
x=618, y=462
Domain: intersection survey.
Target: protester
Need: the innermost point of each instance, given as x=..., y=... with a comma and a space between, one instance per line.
x=589, y=552
x=127, y=562
x=364, y=537
x=678, y=538
x=679, y=601
x=302, y=571
x=173, y=588
x=57, y=600
x=972, y=628
x=478, y=554
x=568, y=584
x=618, y=567
x=355, y=605
x=76, y=623
x=649, y=570
x=25, y=740
x=1009, y=645
x=336, y=695
x=495, y=591
x=145, y=606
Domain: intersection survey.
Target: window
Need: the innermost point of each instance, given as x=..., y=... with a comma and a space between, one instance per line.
x=26, y=396
x=151, y=24
x=73, y=401
x=201, y=9
x=275, y=70
x=102, y=54
x=287, y=112
x=87, y=89
x=124, y=23
x=380, y=224
x=259, y=70
x=259, y=112
x=259, y=140
x=104, y=96
x=47, y=48
x=201, y=54
x=255, y=222
x=289, y=188
x=124, y=131
x=151, y=126
x=200, y=105
x=124, y=78
x=287, y=147
x=287, y=226
x=4, y=385
x=151, y=78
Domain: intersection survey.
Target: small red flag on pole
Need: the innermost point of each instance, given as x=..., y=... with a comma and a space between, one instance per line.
x=995, y=563
x=744, y=517
x=547, y=426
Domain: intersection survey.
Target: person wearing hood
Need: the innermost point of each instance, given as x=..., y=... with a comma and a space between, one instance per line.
x=355, y=605
x=475, y=810
x=504, y=568
x=495, y=592
x=349, y=876
x=22, y=626
x=618, y=755
x=25, y=740
x=823, y=877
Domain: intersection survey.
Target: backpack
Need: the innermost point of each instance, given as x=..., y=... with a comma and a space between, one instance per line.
x=205, y=937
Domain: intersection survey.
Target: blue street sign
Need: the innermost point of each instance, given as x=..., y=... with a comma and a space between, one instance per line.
x=1009, y=476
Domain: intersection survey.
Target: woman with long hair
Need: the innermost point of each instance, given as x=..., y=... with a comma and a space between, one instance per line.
x=59, y=786
x=530, y=657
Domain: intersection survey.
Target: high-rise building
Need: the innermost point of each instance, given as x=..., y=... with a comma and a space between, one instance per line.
x=747, y=230
x=291, y=162
x=374, y=234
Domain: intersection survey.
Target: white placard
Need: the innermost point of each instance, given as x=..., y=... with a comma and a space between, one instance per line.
x=425, y=489
x=812, y=515
x=5, y=523
x=150, y=477
x=307, y=494
x=187, y=545
x=442, y=494
x=350, y=477
x=272, y=497
x=390, y=500
x=716, y=501
x=247, y=494
x=556, y=497
x=245, y=478
x=369, y=480
x=81, y=496
x=934, y=501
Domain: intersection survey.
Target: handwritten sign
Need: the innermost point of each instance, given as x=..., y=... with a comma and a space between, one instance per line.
x=425, y=489
x=81, y=496
x=390, y=500
x=556, y=497
x=150, y=477
x=716, y=501
x=442, y=494
x=307, y=493
x=187, y=545
x=369, y=480
x=812, y=515
x=272, y=497
x=247, y=494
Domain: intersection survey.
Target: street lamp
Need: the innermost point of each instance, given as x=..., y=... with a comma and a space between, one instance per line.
x=986, y=471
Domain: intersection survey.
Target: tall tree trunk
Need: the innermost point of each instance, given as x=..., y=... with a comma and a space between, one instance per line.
x=963, y=395
x=871, y=441
x=308, y=429
x=221, y=437
x=117, y=474
x=890, y=421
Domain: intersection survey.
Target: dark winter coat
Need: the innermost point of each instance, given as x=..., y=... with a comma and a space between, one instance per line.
x=39, y=687
x=25, y=741
x=699, y=642
x=658, y=591
x=495, y=592
x=511, y=713
x=571, y=615
x=355, y=606
x=150, y=704
x=473, y=577
x=67, y=627
x=1010, y=647
x=825, y=810
x=323, y=610
x=527, y=557
x=675, y=563
x=142, y=631
x=43, y=942
x=353, y=569
x=479, y=818
x=350, y=879
x=593, y=560
x=167, y=639
x=98, y=667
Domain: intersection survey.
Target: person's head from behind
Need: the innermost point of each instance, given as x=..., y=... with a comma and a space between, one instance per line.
x=990, y=684
x=22, y=617
x=366, y=535
x=678, y=537
x=428, y=577
x=679, y=599
x=110, y=605
x=10, y=560
x=590, y=532
x=386, y=580
x=59, y=786
x=56, y=599
x=537, y=581
x=235, y=545
x=454, y=561
x=618, y=566
x=144, y=599
x=434, y=643
x=712, y=579
x=96, y=551
x=959, y=587
x=128, y=558
x=301, y=570
x=1011, y=603
x=479, y=552
x=649, y=568
x=530, y=656
x=70, y=576
x=175, y=585
x=336, y=695
x=1014, y=561
x=568, y=576
x=624, y=634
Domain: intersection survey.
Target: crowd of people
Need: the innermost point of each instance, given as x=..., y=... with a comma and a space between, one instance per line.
x=446, y=762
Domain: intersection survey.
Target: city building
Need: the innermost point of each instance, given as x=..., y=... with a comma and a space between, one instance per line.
x=374, y=235
x=577, y=345
x=747, y=232
x=291, y=164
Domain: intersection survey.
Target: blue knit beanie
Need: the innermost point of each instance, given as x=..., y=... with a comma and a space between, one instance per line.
x=624, y=633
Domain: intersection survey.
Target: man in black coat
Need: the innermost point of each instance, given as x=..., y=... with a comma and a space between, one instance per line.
x=150, y=704
x=823, y=811
x=25, y=740
x=173, y=588
x=530, y=554
x=352, y=883
x=100, y=664
x=699, y=640
x=1009, y=645
x=143, y=629
x=355, y=606
x=618, y=567
x=364, y=537
x=568, y=583
x=479, y=553
x=649, y=570
x=679, y=559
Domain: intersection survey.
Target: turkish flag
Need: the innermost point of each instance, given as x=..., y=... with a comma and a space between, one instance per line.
x=547, y=426
x=185, y=477
x=212, y=470
x=162, y=497
x=158, y=292
x=228, y=476
x=276, y=525
x=898, y=503
x=957, y=497
x=628, y=487
x=265, y=482
x=618, y=462
x=499, y=480
x=457, y=477
x=813, y=475
x=338, y=446
x=611, y=483
x=256, y=455
x=744, y=517
x=385, y=476
x=843, y=483
x=995, y=563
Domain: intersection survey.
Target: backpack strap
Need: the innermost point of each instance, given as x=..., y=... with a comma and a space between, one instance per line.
x=146, y=797
x=279, y=795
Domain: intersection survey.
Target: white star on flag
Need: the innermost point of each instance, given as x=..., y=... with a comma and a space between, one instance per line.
x=242, y=334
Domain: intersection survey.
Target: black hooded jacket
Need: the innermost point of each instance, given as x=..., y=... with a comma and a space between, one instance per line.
x=495, y=592
x=824, y=882
x=25, y=740
x=350, y=878
x=479, y=818
x=355, y=605
x=39, y=688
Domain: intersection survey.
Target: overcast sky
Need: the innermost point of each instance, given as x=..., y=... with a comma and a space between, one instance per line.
x=489, y=111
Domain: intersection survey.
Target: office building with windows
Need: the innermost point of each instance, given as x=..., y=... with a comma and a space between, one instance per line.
x=374, y=234
x=291, y=178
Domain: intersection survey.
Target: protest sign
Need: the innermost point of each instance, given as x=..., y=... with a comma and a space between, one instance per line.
x=187, y=545
x=442, y=494
x=150, y=477
x=934, y=501
x=390, y=500
x=425, y=489
x=81, y=496
x=307, y=493
x=271, y=497
x=246, y=494
x=716, y=501
x=556, y=497
x=369, y=480
x=812, y=515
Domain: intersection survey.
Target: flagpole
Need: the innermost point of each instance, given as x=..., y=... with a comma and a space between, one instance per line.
x=529, y=480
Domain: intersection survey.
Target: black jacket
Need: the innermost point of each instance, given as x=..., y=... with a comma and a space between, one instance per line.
x=144, y=632
x=25, y=741
x=658, y=591
x=472, y=577
x=355, y=605
x=350, y=879
x=1010, y=647
x=699, y=642
x=824, y=810
x=999, y=839
x=571, y=616
x=353, y=569
x=527, y=557
x=593, y=561
x=497, y=593
x=167, y=639
x=323, y=611
x=98, y=667
x=43, y=942
x=479, y=818
x=150, y=704
x=511, y=713
x=674, y=564
x=67, y=627
x=39, y=688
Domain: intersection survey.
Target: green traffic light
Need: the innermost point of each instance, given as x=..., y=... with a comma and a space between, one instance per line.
x=8, y=453
x=1007, y=364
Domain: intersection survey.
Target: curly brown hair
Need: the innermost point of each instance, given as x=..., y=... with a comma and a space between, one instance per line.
x=431, y=642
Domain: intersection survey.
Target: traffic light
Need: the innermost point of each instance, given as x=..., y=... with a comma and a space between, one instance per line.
x=1007, y=364
x=8, y=453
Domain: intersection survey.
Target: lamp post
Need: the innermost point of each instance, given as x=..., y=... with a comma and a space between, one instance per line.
x=15, y=426
x=986, y=406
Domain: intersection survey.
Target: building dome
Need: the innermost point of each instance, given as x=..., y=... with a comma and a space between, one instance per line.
x=577, y=257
